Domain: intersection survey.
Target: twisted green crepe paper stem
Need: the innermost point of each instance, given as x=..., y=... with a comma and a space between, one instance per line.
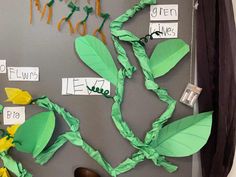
x=140, y=53
x=75, y=138
x=13, y=166
x=72, y=121
x=123, y=59
x=1, y=109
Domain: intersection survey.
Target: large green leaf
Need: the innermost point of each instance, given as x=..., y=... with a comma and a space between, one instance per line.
x=166, y=55
x=96, y=55
x=33, y=135
x=185, y=136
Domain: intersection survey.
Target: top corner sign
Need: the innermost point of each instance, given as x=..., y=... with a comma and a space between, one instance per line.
x=165, y=12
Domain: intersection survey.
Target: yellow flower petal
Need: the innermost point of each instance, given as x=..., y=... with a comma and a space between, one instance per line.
x=4, y=172
x=5, y=144
x=18, y=96
x=12, y=129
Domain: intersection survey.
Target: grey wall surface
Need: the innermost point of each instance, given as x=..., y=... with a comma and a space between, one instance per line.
x=41, y=45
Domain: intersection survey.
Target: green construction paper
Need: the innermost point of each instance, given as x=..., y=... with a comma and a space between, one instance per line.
x=35, y=133
x=1, y=108
x=145, y=150
x=184, y=137
x=75, y=138
x=13, y=166
x=95, y=54
x=166, y=55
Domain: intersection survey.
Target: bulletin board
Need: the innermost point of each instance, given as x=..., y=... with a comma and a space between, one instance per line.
x=41, y=45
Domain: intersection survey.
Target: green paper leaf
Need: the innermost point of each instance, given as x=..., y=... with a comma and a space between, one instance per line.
x=185, y=136
x=33, y=135
x=95, y=54
x=166, y=55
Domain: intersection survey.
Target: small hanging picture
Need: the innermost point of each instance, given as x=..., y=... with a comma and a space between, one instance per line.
x=190, y=95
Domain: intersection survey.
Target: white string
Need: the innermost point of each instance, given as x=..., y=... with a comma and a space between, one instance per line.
x=194, y=8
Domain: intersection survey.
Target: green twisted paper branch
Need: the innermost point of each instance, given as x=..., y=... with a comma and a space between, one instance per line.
x=145, y=150
x=148, y=151
x=13, y=166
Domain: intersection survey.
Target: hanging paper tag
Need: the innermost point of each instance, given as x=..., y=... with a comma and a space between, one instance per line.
x=190, y=95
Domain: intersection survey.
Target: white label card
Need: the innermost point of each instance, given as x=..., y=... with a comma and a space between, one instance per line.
x=23, y=73
x=13, y=115
x=169, y=30
x=78, y=86
x=165, y=12
x=3, y=66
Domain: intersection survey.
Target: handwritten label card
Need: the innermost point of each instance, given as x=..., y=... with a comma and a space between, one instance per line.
x=23, y=73
x=3, y=66
x=169, y=30
x=78, y=86
x=164, y=12
x=13, y=115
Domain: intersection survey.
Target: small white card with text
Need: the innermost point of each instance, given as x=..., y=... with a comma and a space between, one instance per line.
x=13, y=115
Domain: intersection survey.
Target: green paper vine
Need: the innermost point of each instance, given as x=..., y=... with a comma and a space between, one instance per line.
x=149, y=148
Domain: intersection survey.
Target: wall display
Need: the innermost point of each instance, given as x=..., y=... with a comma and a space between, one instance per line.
x=165, y=139
x=73, y=5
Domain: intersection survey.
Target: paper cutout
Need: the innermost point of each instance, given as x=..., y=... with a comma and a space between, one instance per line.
x=99, y=30
x=145, y=149
x=1, y=109
x=166, y=55
x=96, y=55
x=169, y=30
x=78, y=86
x=18, y=96
x=190, y=95
x=38, y=6
x=184, y=137
x=67, y=18
x=3, y=66
x=4, y=172
x=6, y=141
x=88, y=11
x=13, y=115
x=13, y=166
x=164, y=12
x=41, y=127
x=98, y=7
x=50, y=10
x=23, y=73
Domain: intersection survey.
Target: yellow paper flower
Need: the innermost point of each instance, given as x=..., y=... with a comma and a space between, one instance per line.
x=5, y=142
x=18, y=96
x=12, y=129
x=4, y=172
